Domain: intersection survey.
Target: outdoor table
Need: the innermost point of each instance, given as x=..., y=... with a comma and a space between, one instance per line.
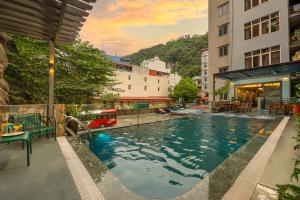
x=25, y=137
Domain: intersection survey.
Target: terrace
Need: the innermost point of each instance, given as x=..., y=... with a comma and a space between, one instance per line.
x=63, y=169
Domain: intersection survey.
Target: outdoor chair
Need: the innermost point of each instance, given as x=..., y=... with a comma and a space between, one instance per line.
x=35, y=124
x=244, y=106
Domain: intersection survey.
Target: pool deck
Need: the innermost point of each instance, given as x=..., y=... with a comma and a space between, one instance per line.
x=280, y=166
x=247, y=181
x=47, y=177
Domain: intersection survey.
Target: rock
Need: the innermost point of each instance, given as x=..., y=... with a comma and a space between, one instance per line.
x=4, y=88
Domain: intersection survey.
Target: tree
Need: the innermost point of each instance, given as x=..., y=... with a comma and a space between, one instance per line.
x=184, y=53
x=79, y=70
x=186, y=90
x=223, y=90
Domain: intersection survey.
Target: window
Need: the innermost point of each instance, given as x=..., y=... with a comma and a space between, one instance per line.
x=256, y=58
x=261, y=26
x=145, y=88
x=223, y=9
x=248, y=4
x=223, y=69
x=145, y=79
x=129, y=87
x=255, y=28
x=223, y=50
x=262, y=57
x=158, y=81
x=158, y=89
x=265, y=58
x=275, y=22
x=275, y=55
x=265, y=24
x=247, y=28
x=248, y=60
x=129, y=77
x=223, y=29
x=255, y=3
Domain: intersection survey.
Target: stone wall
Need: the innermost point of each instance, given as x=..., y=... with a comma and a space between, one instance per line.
x=3, y=84
x=59, y=113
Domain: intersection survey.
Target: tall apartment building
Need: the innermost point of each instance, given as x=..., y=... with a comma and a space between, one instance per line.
x=219, y=18
x=204, y=73
x=255, y=45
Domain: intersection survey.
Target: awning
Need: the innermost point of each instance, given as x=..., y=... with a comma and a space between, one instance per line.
x=281, y=69
x=55, y=20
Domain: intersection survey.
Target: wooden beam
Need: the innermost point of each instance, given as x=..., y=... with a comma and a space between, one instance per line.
x=80, y=4
x=61, y=19
x=8, y=29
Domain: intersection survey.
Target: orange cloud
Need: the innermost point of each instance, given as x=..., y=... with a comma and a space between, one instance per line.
x=107, y=31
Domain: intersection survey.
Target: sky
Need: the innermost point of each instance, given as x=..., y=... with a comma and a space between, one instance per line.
x=122, y=27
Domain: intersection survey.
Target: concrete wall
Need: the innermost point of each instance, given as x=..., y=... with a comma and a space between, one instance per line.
x=137, y=82
x=214, y=41
x=59, y=113
x=240, y=17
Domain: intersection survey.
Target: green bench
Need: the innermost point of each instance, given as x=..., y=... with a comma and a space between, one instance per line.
x=35, y=124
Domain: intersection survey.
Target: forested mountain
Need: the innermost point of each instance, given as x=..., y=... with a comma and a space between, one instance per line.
x=184, y=52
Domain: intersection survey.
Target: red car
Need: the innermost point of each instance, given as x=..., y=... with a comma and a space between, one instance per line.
x=100, y=118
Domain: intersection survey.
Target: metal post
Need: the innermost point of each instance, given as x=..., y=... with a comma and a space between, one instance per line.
x=214, y=88
x=51, y=80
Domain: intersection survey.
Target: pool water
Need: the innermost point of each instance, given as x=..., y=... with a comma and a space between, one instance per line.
x=166, y=159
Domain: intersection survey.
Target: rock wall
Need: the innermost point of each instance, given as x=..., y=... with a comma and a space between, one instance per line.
x=4, y=99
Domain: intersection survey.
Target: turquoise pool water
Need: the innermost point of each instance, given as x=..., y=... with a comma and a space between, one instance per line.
x=166, y=159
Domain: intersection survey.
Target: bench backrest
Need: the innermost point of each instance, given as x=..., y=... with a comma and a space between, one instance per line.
x=29, y=121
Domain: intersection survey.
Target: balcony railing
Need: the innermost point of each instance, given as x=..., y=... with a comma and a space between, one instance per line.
x=295, y=9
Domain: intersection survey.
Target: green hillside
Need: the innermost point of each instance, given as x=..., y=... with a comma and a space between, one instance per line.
x=185, y=53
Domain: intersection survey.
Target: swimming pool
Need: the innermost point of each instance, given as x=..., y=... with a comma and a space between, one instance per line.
x=166, y=159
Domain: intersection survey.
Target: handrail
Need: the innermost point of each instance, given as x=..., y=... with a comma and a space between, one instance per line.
x=80, y=123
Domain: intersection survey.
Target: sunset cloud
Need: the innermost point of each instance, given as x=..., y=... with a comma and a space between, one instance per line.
x=111, y=24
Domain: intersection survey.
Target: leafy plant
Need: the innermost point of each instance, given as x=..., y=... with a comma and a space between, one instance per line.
x=72, y=110
x=186, y=90
x=223, y=90
x=80, y=69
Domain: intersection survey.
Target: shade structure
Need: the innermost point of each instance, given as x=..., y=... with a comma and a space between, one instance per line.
x=57, y=21
x=54, y=20
x=288, y=68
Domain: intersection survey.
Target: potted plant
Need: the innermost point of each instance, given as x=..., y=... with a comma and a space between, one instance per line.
x=294, y=100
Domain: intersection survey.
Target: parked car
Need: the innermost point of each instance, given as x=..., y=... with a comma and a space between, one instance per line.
x=160, y=111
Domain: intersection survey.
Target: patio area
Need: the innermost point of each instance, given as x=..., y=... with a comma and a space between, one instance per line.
x=48, y=176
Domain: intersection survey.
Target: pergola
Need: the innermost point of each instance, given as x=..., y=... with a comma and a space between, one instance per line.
x=57, y=21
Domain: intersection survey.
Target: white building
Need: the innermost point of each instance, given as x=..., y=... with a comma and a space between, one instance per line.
x=155, y=65
x=204, y=73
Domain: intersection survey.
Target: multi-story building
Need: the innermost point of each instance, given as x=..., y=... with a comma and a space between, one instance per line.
x=139, y=84
x=252, y=43
x=155, y=65
x=204, y=73
x=219, y=39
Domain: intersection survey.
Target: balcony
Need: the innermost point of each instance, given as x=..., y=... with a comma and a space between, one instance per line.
x=295, y=15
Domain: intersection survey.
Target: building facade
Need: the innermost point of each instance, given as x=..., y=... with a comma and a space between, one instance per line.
x=204, y=73
x=219, y=28
x=248, y=35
